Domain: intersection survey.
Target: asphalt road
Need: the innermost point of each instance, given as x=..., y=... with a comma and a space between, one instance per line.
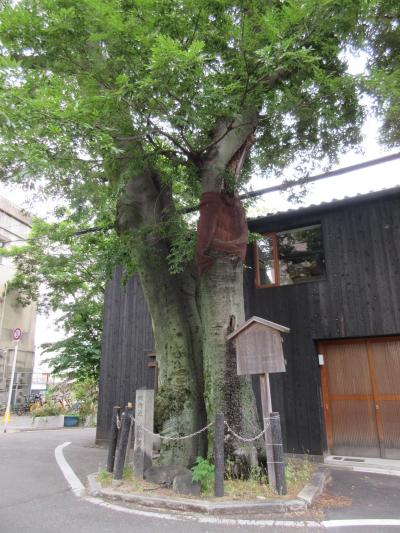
x=36, y=498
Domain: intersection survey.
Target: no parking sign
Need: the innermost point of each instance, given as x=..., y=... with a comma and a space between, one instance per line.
x=17, y=334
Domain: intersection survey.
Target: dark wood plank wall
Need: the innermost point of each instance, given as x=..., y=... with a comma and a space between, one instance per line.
x=127, y=335
x=360, y=297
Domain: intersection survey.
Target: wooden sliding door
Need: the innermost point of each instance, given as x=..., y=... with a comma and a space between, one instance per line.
x=361, y=394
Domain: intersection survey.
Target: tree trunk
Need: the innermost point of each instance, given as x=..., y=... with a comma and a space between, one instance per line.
x=180, y=406
x=144, y=204
x=222, y=310
x=192, y=318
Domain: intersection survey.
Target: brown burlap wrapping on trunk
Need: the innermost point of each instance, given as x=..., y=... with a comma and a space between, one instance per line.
x=222, y=227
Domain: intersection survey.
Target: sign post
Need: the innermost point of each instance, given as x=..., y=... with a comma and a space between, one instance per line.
x=266, y=405
x=16, y=336
x=259, y=351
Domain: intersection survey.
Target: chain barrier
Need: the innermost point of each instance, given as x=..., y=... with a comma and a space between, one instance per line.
x=191, y=435
x=198, y=432
x=164, y=437
x=239, y=437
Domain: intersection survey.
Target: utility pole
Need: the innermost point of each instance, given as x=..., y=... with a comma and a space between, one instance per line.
x=17, y=333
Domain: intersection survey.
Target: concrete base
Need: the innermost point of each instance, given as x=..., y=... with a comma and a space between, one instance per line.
x=48, y=422
x=214, y=507
x=364, y=464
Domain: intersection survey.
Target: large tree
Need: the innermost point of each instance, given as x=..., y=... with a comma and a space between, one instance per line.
x=163, y=102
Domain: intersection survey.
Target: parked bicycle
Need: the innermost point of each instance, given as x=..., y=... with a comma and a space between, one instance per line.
x=29, y=405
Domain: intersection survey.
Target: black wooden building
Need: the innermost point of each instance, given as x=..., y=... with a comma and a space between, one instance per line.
x=332, y=274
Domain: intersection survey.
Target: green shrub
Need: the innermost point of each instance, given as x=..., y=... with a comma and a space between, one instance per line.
x=48, y=409
x=203, y=472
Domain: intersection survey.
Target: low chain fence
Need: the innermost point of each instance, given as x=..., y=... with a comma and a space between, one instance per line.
x=120, y=436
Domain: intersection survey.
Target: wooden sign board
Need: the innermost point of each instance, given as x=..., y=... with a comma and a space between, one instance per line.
x=259, y=347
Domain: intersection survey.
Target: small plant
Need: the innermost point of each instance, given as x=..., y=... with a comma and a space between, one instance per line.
x=298, y=472
x=127, y=473
x=104, y=477
x=257, y=476
x=229, y=469
x=203, y=472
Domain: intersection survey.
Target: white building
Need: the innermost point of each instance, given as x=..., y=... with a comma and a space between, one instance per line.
x=15, y=226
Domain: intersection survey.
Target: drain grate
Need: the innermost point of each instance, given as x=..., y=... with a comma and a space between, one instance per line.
x=349, y=459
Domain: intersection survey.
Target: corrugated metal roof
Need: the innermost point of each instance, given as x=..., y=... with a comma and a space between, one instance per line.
x=331, y=204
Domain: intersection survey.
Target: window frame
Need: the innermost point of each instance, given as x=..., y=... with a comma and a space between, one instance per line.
x=275, y=254
x=274, y=239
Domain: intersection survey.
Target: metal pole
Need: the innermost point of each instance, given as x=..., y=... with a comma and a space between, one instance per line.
x=113, y=438
x=16, y=389
x=219, y=459
x=278, y=453
x=7, y=414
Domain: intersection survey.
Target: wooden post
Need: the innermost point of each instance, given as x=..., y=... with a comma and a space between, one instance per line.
x=113, y=438
x=128, y=459
x=219, y=459
x=278, y=453
x=266, y=409
x=126, y=420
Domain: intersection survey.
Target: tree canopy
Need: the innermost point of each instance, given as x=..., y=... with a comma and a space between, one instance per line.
x=81, y=80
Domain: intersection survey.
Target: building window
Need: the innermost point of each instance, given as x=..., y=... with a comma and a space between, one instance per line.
x=287, y=257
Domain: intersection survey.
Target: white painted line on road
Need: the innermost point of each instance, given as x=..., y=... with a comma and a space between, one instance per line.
x=362, y=522
x=73, y=480
x=113, y=507
x=207, y=519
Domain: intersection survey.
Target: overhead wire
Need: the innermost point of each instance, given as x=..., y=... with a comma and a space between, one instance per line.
x=252, y=194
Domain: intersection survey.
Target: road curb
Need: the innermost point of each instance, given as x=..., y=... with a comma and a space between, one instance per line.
x=315, y=486
x=279, y=505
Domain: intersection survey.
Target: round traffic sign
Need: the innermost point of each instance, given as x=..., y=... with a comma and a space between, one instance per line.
x=17, y=334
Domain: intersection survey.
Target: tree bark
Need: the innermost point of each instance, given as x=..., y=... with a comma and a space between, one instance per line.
x=176, y=324
x=222, y=310
x=180, y=406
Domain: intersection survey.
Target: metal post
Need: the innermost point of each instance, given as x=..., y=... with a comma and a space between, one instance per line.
x=278, y=453
x=16, y=389
x=7, y=414
x=219, y=460
x=113, y=438
x=126, y=420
